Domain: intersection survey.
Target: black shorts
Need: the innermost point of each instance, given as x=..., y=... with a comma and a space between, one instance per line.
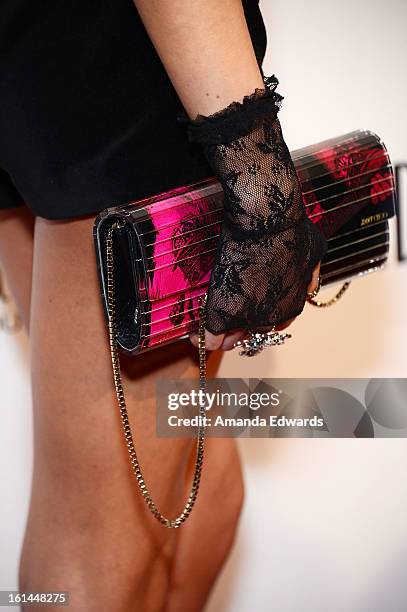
x=87, y=111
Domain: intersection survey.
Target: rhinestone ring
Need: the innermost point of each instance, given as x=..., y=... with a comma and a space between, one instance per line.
x=254, y=342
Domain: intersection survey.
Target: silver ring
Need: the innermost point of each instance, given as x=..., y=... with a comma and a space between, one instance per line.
x=254, y=342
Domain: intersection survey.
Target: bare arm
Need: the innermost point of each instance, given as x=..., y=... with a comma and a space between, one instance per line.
x=205, y=48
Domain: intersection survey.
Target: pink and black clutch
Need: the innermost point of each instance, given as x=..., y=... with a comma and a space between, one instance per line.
x=164, y=246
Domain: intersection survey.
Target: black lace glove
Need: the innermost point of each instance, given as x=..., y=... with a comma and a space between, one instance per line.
x=268, y=246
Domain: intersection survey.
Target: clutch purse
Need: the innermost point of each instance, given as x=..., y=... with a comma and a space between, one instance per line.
x=164, y=245
x=155, y=257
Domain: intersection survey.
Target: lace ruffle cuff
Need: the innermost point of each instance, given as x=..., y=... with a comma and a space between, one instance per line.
x=236, y=119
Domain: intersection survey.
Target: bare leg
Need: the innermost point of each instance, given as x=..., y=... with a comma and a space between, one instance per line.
x=205, y=542
x=16, y=251
x=88, y=531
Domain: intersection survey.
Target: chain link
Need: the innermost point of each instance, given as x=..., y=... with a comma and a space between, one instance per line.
x=332, y=301
x=181, y=518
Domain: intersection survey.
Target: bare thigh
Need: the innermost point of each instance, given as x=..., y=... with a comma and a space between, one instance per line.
x=84, y=495
x=16, y=251
x=87, y=528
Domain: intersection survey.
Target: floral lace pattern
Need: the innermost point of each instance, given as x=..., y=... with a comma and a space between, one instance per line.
x=268, y=246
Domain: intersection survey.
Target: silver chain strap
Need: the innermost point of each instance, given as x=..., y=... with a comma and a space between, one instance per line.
x=135, y=465
x=333, y=300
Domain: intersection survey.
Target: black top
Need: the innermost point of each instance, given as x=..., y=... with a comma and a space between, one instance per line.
x=87, y=111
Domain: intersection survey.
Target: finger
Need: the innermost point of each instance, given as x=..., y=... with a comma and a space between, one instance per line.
x=285, y=325
x=194, y=339
x=315, y=276
x=230, y=339
x=212, y=341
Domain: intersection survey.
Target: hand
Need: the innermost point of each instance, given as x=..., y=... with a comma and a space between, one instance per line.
x=268, y=247
x=225, y=342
